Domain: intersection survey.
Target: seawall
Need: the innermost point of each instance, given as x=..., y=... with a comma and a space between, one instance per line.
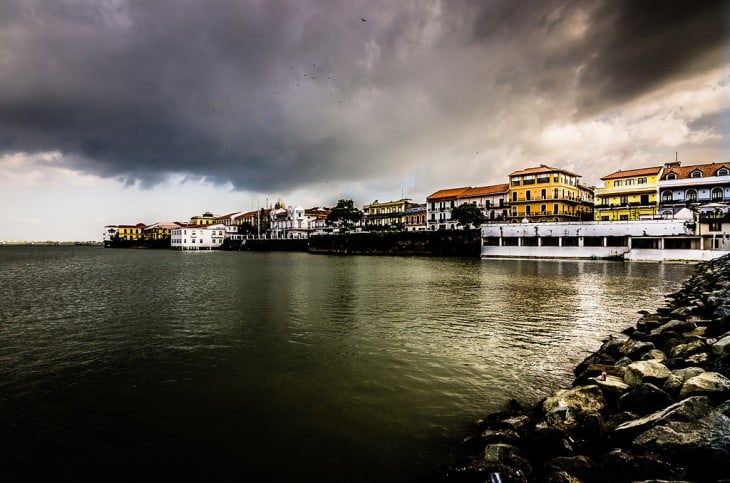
x=456, y=243
x=652, y=403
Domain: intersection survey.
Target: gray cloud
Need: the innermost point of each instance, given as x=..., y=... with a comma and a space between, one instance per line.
x=278, y=94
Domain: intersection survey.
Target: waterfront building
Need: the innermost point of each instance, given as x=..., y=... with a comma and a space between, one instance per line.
x=492, y=200
x=110, y=234
x=230, y=219
x=628, y=195
x=674, y=239
x=295, y=222
x=383, y=215
x=198, y=237
x=160, y=230
x=692, y=186
x=415, y=218
x=439, y=206
x=206, y=218
x=545, y=193
x=130, y=232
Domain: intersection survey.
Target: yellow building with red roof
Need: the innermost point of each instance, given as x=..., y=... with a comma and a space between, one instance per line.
x=545, y=193
x=628, y=195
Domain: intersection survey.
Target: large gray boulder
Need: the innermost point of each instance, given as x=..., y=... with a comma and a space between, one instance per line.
x=704, y=445
x=582, y=399
x=675, y=325
x=634, y=349
x=674, y=383
x=653, y=372
x=689, y=409
x=722, y=346
x=711, y=384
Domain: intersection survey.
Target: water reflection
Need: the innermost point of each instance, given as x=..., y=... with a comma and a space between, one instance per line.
x=380, y=362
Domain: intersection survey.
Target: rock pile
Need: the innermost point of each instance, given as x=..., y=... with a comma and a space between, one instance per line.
x=650, y=404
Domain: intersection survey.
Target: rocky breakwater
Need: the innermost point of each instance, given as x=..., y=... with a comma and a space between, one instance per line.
x=651, y=404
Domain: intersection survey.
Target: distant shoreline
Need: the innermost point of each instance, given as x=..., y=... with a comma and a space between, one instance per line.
x=50, y=243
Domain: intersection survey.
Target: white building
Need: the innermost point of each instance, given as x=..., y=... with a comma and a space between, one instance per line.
x=296, y=222
x=198, y=237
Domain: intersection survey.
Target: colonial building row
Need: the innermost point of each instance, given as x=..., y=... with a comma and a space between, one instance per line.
x=549, y=194
x=537, y=194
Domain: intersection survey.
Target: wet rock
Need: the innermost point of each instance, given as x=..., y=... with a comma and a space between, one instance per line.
x=719, y=326
x=654, y=354
x=701, y=359
x=561, y=477
x=623, y=362
x=722, y=365
x=690, y=409
x=507, y=455
x=619, y=465
x=675, y=325
x=703, y=445
x=611, y=384
x=688, y=349
x=592, y=371
x=653, y=372
x=580, y=466
x=582, y=399
x=711, y=384
x=644, y=399
x=633, y=349
x=722, y=346
x=674, y=383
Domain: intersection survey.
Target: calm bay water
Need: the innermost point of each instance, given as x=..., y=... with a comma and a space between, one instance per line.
x=126, y=364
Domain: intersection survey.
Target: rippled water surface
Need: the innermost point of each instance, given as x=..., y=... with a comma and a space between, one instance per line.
x=122, y=364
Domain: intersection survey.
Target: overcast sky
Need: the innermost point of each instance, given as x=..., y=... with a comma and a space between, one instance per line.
x=142, y=111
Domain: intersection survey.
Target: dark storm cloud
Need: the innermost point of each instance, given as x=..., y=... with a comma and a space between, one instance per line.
x=274, y=94
x=640, y=45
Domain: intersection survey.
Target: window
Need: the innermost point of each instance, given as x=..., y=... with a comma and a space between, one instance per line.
x=623, y=217
x=543, y=194
x=641, y=181
x=555, y=209
x=671, y=176
x=715, y=226
x=618, y=183
x=624, y=199
x=514, y=196
x=543, y=209
x=696, y=174
x=514, y=211
x=644, y=200
x=527, y=210
x=528, y=195
x=515, y=181
x=723, y=172
x=630, y=182
x=716, y=194
x=555, y=193
x=691, y=195
x=667, y=197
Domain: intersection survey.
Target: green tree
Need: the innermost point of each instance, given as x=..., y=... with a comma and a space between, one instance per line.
x=467, y=214
x=344, y=214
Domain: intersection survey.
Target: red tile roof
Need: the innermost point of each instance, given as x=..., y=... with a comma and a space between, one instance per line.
x=542, y=169
x=447, y=193
x=683, y=172
x=485, y=190
x=633, y=172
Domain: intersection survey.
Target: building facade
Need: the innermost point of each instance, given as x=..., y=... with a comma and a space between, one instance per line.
x=206, y=218
x=197, y=237
x=628, y=195
x=386, y=215
x=492, y=200
x=545, y=193
x=160, y=230
x=415, y=218
x=692, y=186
